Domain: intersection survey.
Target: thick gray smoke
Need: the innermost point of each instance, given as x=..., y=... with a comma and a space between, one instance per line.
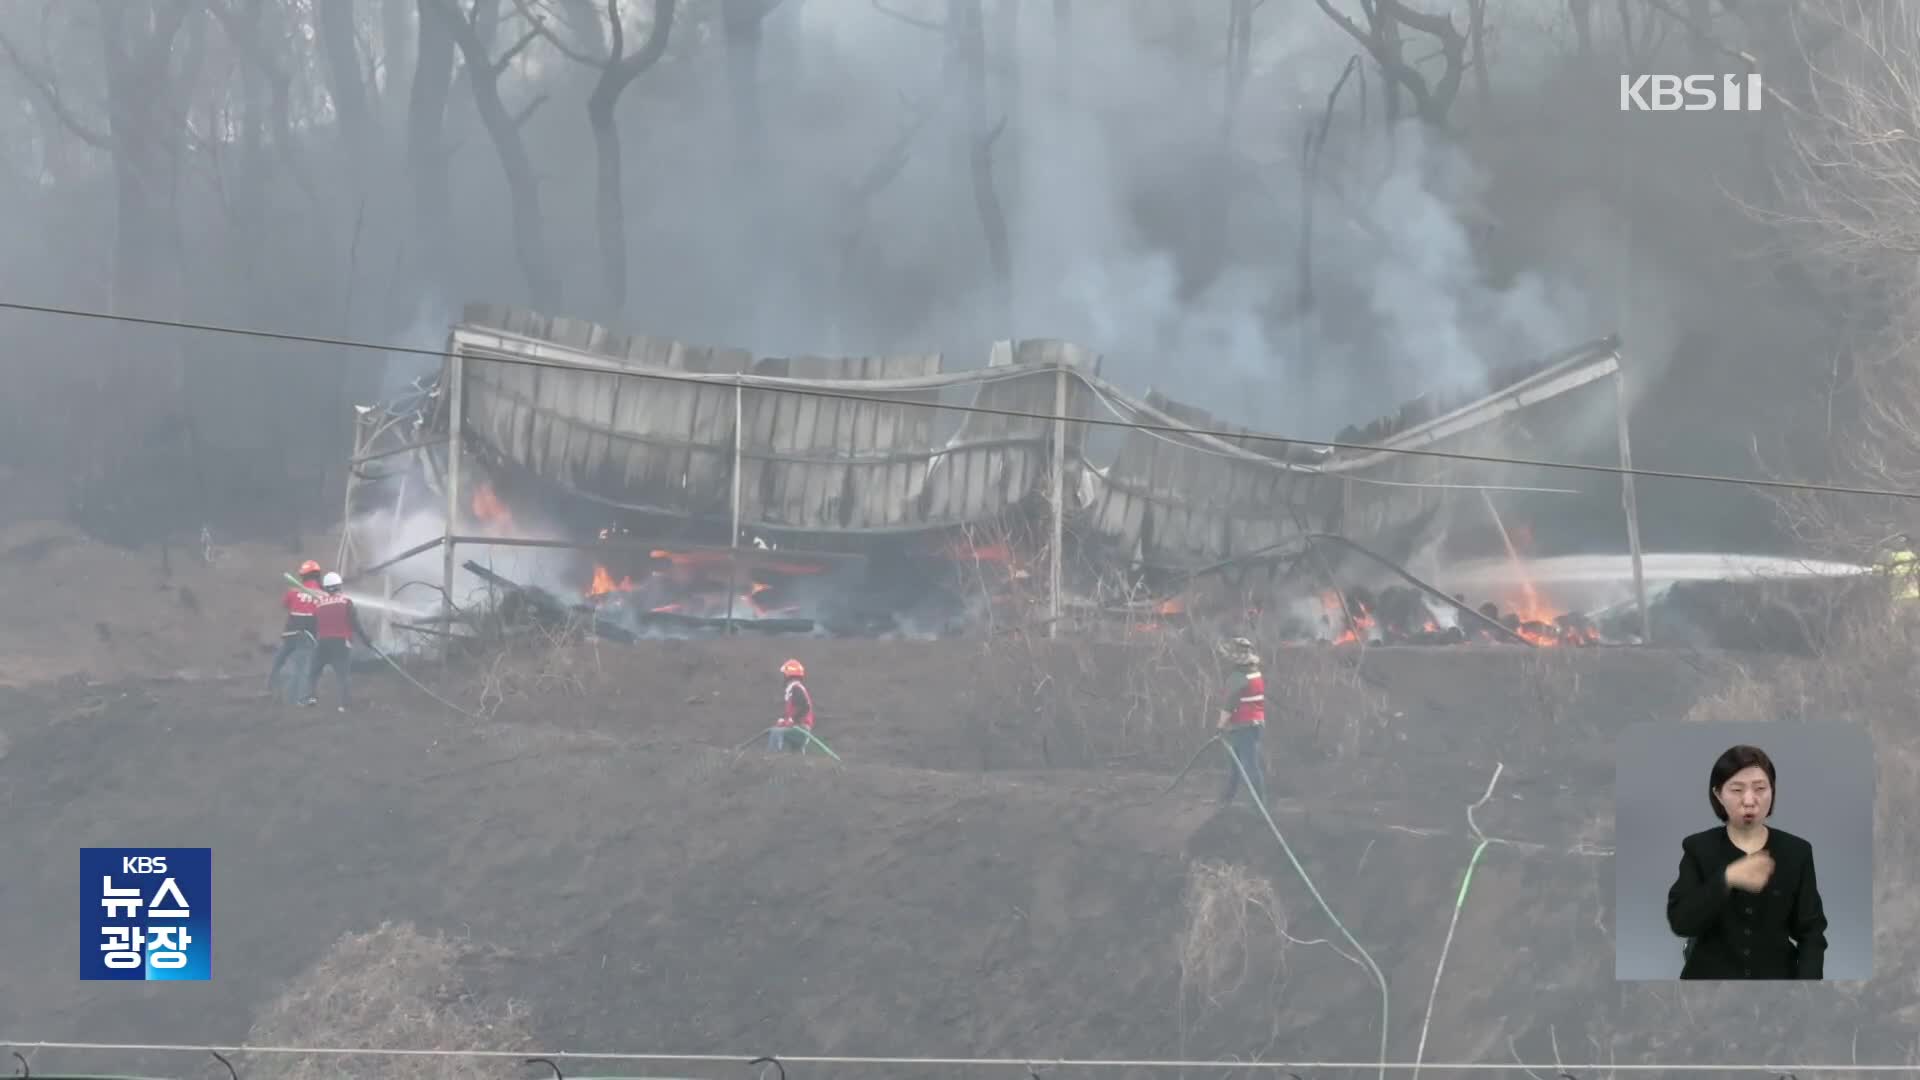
x=1131, y=228
x=1134, y=223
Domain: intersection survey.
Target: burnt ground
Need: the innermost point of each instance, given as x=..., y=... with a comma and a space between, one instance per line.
x=613, y=866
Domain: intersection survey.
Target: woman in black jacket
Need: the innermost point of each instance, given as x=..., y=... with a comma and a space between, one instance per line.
x=1746, y=899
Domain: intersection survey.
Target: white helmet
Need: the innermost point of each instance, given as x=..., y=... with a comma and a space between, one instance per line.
x=331, y=581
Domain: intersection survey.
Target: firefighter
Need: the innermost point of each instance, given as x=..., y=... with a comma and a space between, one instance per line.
x=1898, y=563
x=790, y=732
x=335, y=624
x=1244, y=718
x=298, y=633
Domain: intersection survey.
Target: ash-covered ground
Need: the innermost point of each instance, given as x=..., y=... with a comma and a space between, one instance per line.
x=996, y=869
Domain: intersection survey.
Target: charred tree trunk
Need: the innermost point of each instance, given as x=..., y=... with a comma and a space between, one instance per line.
x=610, y=208
x=1581, y=12
x=1383, y=40
x=145, y=119
x=741, y=25
x=396, y=51
x=1239, y=64
x=249, y=33
x=503, y=128
x=1700, y=43
x=427, y=150
x=967, y=58
x=741, y=21
x=346, y=83
x=1477, y=41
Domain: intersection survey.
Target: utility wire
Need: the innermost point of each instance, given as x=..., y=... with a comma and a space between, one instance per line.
x=1030, y=1063
x=983, y=410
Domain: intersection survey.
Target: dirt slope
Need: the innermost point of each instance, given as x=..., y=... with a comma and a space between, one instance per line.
x=619, y=872
x=103, y=612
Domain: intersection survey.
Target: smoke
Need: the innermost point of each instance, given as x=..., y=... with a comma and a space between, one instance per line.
x=416, y=581
x=432, y=319
x=1134, y=224
x=1133, y=229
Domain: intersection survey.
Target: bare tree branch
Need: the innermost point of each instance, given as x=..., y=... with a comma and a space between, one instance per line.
x=1382, y=42
x=539, y=23
x=520, y=118
x=501, y=65
x=483, y=78
x=911, y=20
x=41, y=82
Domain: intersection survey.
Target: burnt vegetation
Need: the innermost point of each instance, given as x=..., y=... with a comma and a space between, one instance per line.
x=1279, y=217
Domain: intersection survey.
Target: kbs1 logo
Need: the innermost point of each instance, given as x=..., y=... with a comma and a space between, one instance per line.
x=1690, y=93
x=146, y=914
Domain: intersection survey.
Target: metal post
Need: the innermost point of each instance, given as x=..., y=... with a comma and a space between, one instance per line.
x=733, y=560
x=456, y=445
x=1628, y=504
x=344, y=552
x=1059, y=495
x=393, y=539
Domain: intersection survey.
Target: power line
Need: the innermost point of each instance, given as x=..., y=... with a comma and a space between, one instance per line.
x=1029, y=1063
x=774, y=386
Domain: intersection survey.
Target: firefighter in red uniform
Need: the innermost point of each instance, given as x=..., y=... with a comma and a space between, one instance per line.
x=298, y=633
x=1244, y=718
x=796, y=718
x=335, y=624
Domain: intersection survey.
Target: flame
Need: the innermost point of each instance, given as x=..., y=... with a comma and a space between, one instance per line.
x=603, y=583
x=698, y=581
x=1171, y=606
x=488, y=508
x=1353, y=617
x=995, y=553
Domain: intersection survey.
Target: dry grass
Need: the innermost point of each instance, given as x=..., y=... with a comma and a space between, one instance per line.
x=392, y=987
x=1321, y=694
x=1233, y=918
x=1225, y=905
x=536, y=660
x=1144, y=700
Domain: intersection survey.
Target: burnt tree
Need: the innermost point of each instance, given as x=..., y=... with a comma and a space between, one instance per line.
x=471, y=31
x=967, y=71
x=427, y=149
x=1385, y=43
x=617, y=69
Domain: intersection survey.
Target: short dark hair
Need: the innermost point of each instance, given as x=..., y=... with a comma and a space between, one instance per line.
x=1735, y=759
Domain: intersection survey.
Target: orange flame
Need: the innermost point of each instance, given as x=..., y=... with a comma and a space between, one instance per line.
x=1352, y=617
x=603, y=583
x=489, y=509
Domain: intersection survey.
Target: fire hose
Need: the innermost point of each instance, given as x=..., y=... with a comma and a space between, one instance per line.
x=1459, y=900
x=1306, y=879
x=395, y=665
x=812, y=739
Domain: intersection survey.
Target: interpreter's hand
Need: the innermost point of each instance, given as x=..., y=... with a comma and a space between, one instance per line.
x=1750, y=873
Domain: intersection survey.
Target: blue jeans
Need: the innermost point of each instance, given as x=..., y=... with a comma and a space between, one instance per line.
x=292, y=647
x=1245, y=741
x=786, y=738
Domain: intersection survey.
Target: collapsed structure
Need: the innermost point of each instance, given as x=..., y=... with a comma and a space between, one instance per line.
x=860, y=495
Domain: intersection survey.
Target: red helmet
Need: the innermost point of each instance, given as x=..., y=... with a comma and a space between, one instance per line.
x=793, y=669
x=309, y=568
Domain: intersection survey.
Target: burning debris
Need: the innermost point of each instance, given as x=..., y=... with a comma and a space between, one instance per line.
x=704, y=584
x=1401, y=615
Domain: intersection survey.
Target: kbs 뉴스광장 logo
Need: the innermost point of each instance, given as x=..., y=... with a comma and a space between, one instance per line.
x=146, y=913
